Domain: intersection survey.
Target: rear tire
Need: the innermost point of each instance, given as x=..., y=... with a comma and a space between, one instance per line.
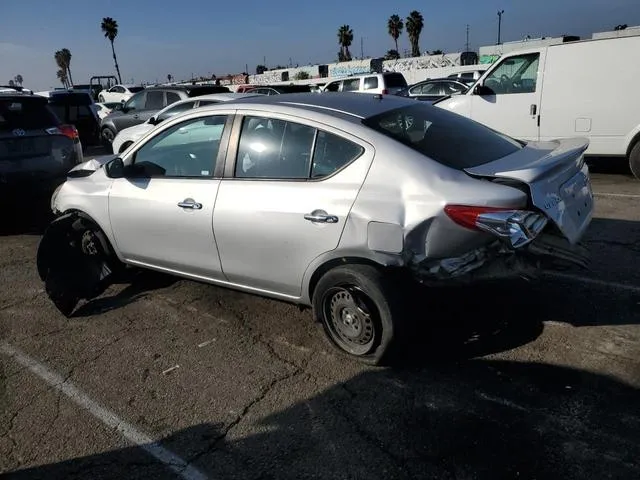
x=634, y=160
x=358, y=308
x=106, y=136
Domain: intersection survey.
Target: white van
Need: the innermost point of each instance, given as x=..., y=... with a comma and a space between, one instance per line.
x=576, y=89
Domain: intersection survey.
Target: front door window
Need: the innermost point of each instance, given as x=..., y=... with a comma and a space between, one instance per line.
x=516, y=74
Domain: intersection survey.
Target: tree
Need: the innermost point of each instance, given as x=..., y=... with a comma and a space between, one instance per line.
x=345, y=37
x=110, y=29
x=302, y=75
x=392, y=55
x=66, y=58
x=395, y=26
x=414, y=25
x=18, y=79
x=12, y=83
x=260, y=69
x=62, y=66
x=436, y=52
x=62, y=76
x=169, y=77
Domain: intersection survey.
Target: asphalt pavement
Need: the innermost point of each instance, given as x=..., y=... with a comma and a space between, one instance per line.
x=167, y=378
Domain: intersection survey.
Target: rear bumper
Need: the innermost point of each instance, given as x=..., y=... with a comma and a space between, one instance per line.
x=496, y=261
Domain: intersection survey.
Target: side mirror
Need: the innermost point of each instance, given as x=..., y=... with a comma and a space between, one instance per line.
x=482, y=90
x=115, y=168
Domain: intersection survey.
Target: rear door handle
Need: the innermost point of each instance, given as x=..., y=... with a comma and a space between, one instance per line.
x=191, y=204
x=320, y=216
x=533, y=109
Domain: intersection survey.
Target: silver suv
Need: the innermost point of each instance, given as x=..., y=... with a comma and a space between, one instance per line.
x=388, y=83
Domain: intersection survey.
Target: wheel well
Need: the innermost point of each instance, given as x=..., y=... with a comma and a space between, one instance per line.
x=104, y=240
x=337, y=262
x=124, y=146
x=632, y=143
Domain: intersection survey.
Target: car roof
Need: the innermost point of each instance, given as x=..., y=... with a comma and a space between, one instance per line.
x=349, y=106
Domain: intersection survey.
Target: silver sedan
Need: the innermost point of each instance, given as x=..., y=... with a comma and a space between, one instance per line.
x=327, y=201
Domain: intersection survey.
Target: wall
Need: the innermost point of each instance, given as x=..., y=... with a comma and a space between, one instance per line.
x=355, y=67
x=422, y=62
x=508, y=47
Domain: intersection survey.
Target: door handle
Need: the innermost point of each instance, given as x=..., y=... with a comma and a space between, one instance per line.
x=533, y=109
x=320, y=216
x=190, y=203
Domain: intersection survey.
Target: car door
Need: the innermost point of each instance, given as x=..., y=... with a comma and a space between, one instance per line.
x=285, y=198
x=130, y=111
x=511, y=104
x=161, y=213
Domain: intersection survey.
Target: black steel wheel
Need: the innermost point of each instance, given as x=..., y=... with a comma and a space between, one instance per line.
x=358, y=309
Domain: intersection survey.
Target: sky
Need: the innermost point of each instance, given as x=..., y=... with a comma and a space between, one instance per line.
x=202, y=37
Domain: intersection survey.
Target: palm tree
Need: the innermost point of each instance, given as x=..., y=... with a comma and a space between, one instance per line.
x=345, y=37
x=169, y=77
x=62, y=76
x=110, y=29
x=12, y=83
x=66, y=58
x=395, y=26
x=62, y=67
x=414, y=24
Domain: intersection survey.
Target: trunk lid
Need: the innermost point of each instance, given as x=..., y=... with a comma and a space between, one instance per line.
x=557, y=179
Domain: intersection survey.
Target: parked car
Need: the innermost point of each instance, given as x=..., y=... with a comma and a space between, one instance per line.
x=293, y=200
x=468, y=78
x=279, y=89
x=143, y=105
x=432, y=90
x=36, y=148
x=104, y=109
x=78, y=109
x=119, y=93
x=127, y=137
x=388, y=83
x=527, y=95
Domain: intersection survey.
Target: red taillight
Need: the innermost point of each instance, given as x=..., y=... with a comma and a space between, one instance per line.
x=69, y=131
x=467, y=215
x=385, y=91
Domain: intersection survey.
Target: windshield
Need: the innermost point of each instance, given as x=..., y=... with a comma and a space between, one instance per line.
x=26, y=113
x=446, y=137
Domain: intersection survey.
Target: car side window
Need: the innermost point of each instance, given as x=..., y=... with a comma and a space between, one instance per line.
x=517, y=74
x=370, y=83
x=186, y=150
x=170, y=112
x=136, y=102
x=275, y=149
x=333, y=87
x=207, y=102
x=155, y=100
x=351, y=85
x=172, y=97
x=332, y=153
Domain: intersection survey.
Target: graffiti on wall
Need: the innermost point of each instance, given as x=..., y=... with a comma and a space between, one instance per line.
x=484, y=59
x=355, y=67
x=425, y=61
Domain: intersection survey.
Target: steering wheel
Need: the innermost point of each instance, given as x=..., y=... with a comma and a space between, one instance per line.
x=505, y=82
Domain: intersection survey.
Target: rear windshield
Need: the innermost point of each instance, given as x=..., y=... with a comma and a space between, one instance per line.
x=293, y=88
x=447, y=138
x=26, y=113
x=71, y=99
x=394, y=80
x=135, y=89
x=194, y=92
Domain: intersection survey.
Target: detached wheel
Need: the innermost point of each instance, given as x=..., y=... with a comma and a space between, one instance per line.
x=358, y=309
x=634, y=160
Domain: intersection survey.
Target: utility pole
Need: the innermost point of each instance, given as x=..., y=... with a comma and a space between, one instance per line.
x=264, y=61
x=361, y=48
x=500, y=12
x=466, y=48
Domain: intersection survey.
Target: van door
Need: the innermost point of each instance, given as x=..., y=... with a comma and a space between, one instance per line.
x=510, y=99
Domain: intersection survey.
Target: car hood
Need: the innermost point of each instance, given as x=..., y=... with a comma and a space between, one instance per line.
x=90, y=166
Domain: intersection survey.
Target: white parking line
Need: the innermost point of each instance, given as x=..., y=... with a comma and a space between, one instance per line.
x=594, y=281
x=128, y=431
x=621, y=195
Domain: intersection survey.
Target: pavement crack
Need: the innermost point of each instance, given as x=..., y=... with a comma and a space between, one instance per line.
x=29, y=299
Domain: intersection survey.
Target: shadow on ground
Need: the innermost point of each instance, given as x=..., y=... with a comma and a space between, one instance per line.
x=25, y=216
x=609, y=165
x=476, y=420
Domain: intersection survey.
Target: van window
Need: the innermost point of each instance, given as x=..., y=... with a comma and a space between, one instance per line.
x=517, y=74
x=332, y=87
x=370, y=83
x=443, y=136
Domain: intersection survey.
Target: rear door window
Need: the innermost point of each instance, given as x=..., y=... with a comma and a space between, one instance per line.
x=446, y=137
x=351, y=85
x=370, y=83
x=155, y=100
x=26, y=114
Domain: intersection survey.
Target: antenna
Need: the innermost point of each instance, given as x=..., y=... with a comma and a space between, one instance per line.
x=467, y=44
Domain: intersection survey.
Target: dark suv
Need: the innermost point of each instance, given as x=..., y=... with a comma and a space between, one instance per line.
x=36, y=148
x=143, y=105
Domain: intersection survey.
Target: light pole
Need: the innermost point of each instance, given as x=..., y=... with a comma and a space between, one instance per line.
x=500, y=12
